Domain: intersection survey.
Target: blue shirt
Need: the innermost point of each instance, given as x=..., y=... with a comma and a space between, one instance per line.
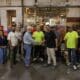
x=27, y=38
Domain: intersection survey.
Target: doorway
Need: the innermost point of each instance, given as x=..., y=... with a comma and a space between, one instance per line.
x=11, y=15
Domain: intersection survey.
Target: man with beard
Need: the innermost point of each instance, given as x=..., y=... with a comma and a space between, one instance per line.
x=13, y=42
x=71, y=39
x=28, y=41
x=51, y=44
x=38, y=37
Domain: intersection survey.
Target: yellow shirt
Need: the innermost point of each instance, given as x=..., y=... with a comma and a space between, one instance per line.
x=38, y=37
x=71, y=38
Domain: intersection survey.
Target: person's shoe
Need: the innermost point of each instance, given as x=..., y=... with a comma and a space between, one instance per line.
x=41, y=59
x=27, y=66
x=35, y=59
x=54, y=66
x=74, y=67
x=78, y=66
x=47, y=65
x=68, y=63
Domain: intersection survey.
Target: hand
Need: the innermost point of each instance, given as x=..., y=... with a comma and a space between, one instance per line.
x=43, y=42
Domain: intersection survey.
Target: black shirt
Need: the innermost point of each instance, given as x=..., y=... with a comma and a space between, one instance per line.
x=3, y=41
x=50, y=39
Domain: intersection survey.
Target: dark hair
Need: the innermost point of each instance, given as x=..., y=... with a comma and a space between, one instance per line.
x=13, y=24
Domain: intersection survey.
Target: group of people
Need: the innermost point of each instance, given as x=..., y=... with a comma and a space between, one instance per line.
x=41, y=45
x=10, y=45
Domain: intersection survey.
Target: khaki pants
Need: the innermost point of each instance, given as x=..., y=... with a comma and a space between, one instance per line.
x=51, y=56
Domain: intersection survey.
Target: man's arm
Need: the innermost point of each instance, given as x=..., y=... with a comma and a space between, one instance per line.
x=9, y=39
x=65, y=40
x=27, y=37
x=31, y=39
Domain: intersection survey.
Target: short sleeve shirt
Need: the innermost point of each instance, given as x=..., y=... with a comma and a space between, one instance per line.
x=71, y=38
x=12, y=37
x=18, y=35
x=50, y=39
x=38, y=36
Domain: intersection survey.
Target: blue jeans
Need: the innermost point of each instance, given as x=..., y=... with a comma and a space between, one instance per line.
x=72, y=56
x=3, y=55
x=27, y=49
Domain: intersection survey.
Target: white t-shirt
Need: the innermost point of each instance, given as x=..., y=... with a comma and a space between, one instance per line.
x=18, y=35
x=12, y=37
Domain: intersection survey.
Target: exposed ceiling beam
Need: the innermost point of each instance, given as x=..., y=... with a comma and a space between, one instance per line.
x=76, y=6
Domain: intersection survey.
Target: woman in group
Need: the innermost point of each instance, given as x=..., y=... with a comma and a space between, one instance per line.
x=3, y=48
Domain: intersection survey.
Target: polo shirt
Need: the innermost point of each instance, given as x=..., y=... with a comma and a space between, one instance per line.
x=71, y=38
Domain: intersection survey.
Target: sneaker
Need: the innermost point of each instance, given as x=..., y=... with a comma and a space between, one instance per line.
x=74, y=67
x=41, y=59
x=27, y=66
x=68, y=63
x=78, y=65
x=47, y=65
x=34, y=59
x=54, y=66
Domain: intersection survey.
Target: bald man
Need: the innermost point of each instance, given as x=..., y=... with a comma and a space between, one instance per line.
x=28, y=41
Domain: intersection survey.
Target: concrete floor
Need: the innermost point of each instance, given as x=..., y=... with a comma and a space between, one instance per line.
x=38, y=72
